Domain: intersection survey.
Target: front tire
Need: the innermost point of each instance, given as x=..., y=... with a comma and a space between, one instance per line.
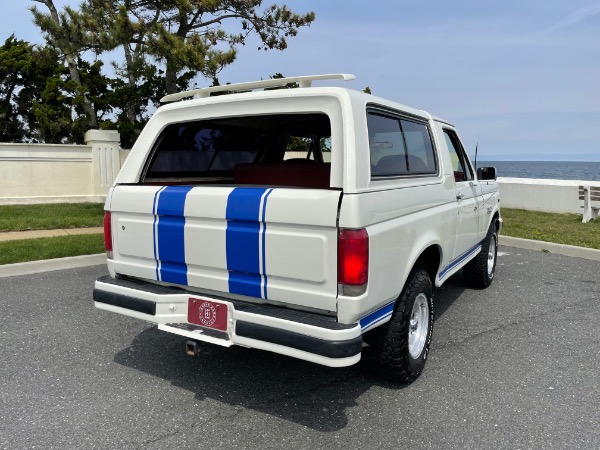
x=480, y=271
x=400, y=347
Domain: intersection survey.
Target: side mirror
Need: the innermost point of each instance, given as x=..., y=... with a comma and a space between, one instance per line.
x=486, y=173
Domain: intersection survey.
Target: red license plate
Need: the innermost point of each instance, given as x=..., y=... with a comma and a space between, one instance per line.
x=208, y=313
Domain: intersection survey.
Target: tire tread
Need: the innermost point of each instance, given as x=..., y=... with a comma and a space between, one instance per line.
x=390, y=356
x=475, y=271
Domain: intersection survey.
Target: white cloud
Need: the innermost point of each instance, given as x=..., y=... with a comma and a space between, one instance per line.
x=576, y=17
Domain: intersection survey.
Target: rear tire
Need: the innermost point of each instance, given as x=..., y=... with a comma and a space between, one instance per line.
x=398, y=349
x=479, y=272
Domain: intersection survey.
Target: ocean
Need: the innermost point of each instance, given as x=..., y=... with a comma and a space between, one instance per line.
x=558, y=170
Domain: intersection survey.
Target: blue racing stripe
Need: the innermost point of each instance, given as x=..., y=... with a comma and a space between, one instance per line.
x=376, y=316
x=243, y=241
x=264, y=240
x=244, y=284
x=155, y=245
x=242, y=246
x=173, y=272
x=458, y=260
x=170, y=231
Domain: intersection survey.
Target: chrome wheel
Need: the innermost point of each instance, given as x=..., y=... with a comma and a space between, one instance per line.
x=418, y=326
x=491, y=262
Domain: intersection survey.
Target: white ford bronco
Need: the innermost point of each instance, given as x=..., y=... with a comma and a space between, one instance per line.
x=311, y=222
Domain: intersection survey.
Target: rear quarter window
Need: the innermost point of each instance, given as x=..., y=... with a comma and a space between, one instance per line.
x=399, y=146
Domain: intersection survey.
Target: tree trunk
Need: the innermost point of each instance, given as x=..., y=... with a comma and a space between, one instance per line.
x=87, y=105
x=73, y=69
x=170, y=78
x=129, y=62
x=171, y=72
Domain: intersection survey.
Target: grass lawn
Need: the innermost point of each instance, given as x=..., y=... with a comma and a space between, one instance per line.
x=50, y=217
x=48, y=248
x=551, y=227
x=540, y=226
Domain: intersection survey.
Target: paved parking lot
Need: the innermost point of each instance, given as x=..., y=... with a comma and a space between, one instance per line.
x=514, y=366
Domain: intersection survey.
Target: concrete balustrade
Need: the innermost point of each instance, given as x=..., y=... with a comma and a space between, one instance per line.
x=46, y=173
x=106, y=160
x=561, y=196
x=50, y=173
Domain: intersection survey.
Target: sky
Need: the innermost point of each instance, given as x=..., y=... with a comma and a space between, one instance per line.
x=518, y=78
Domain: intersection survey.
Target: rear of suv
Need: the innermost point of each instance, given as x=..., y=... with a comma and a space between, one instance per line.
x=308, y=222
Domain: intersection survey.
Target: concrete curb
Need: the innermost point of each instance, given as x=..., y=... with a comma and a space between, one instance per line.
x=48, y=265
x=550, y=247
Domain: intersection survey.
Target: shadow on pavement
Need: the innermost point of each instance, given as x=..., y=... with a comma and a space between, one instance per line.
x=301, y=392
x=308, y=394
x=445, y=296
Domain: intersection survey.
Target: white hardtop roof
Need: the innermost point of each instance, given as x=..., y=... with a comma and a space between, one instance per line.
x=302, y=81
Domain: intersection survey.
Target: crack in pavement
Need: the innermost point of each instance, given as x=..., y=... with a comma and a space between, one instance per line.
x=304, y=392
x=503, y=326
x=218, y=416
x=143, y=444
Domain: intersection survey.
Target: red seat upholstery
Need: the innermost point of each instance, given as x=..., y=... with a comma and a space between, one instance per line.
x=307, y=175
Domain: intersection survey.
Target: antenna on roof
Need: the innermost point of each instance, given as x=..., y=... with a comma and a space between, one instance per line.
x=305, y=81
x=476, y=146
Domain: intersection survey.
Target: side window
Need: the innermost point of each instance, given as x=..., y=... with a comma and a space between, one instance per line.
x=418, y=147
x=388, y=154
x=399, y=147
x=462, y=170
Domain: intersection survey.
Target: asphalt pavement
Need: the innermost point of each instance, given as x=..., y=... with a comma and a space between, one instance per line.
x=513, y=366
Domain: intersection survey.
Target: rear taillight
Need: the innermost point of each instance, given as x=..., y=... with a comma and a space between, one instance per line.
x=353, y=261
x=108, y=235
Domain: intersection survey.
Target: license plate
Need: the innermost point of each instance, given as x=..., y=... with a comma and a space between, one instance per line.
x=208, y=313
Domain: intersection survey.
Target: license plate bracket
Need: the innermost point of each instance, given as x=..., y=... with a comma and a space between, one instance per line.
x=208, y=313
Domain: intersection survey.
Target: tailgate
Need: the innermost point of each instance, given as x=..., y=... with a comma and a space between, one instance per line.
x=276, y=244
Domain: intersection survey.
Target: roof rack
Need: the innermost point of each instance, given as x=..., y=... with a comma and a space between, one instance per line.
x=305, y=81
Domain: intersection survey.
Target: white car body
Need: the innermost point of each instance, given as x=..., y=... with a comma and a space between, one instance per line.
x=269, y=253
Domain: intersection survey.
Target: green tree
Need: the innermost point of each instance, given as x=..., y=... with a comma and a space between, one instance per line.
x=28, y=75
x=52, y=113
x=39, y=102
x=62, y=32
x=100, y=94
x=15, y=64
x=185, y=38
x=165, y=45
x=187, y=35
x=57, y=110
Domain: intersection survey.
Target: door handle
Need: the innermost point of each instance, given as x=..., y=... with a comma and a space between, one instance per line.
x=460, y=196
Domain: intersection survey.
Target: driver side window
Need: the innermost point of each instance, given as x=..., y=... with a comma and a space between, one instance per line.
x=462, y=170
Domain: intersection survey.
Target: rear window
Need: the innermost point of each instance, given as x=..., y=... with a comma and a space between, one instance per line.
x=213, y=149
x=399, y=146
